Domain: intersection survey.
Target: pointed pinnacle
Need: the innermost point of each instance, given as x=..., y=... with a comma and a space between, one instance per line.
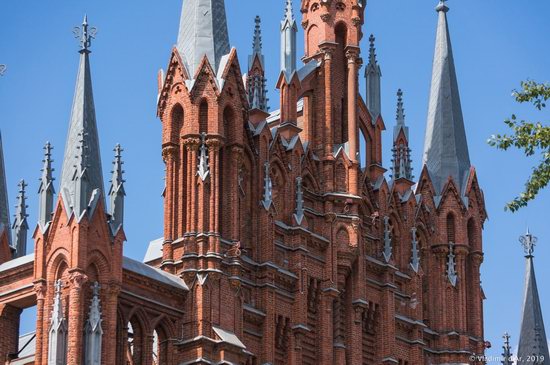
x=117, y=171
x=400, y=109
x=21, y=206
x=372, y=50
x=257, y=42
x=288, y=11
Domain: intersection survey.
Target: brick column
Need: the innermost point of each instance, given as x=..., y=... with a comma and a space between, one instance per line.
x=9, y=330
x=329, y=138
x=351, y=55
x=326, y=329
x=236, y=160
x=169, y=157
x=109, y=309
x=40, y=289
x=75, y=343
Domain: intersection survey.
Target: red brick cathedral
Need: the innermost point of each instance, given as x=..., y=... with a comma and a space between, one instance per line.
x=285, y=241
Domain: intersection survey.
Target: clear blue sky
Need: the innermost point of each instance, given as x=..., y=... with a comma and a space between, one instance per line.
x=496, y=44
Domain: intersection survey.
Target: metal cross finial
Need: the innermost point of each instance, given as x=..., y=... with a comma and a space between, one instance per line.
x=529, y=242
x=85, y=34
x=3, y=69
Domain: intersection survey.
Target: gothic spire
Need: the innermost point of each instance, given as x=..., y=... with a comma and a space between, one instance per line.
x=116, y=192
x=46, y=190
x=533, y=343
x=373, y=74
x=81, y=175
x=445, y=147
x=20, y=226
x=203, y=31
x=289, y=29
x=4, y=203
x=255, y=79
x=401, y=162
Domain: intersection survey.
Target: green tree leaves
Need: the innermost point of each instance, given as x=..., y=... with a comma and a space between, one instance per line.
x=531, y=137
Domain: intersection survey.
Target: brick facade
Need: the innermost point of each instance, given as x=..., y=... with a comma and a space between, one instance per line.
x=268, y=284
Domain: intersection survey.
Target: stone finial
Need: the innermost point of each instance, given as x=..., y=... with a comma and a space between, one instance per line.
x=117, y=192
x=46, y=189
x=203, y=169
x=20, y=226
x=268, y=188
x=415, y=257
x=452, y=274
x=299, y=212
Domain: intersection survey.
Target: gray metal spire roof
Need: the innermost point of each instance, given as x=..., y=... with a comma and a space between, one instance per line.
x=20, y=226
x=81, y=175
x=445, y=146
x=4, y=203
x=289, y=29
x=203, y=31
x=532, y=341
x=373, y=74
